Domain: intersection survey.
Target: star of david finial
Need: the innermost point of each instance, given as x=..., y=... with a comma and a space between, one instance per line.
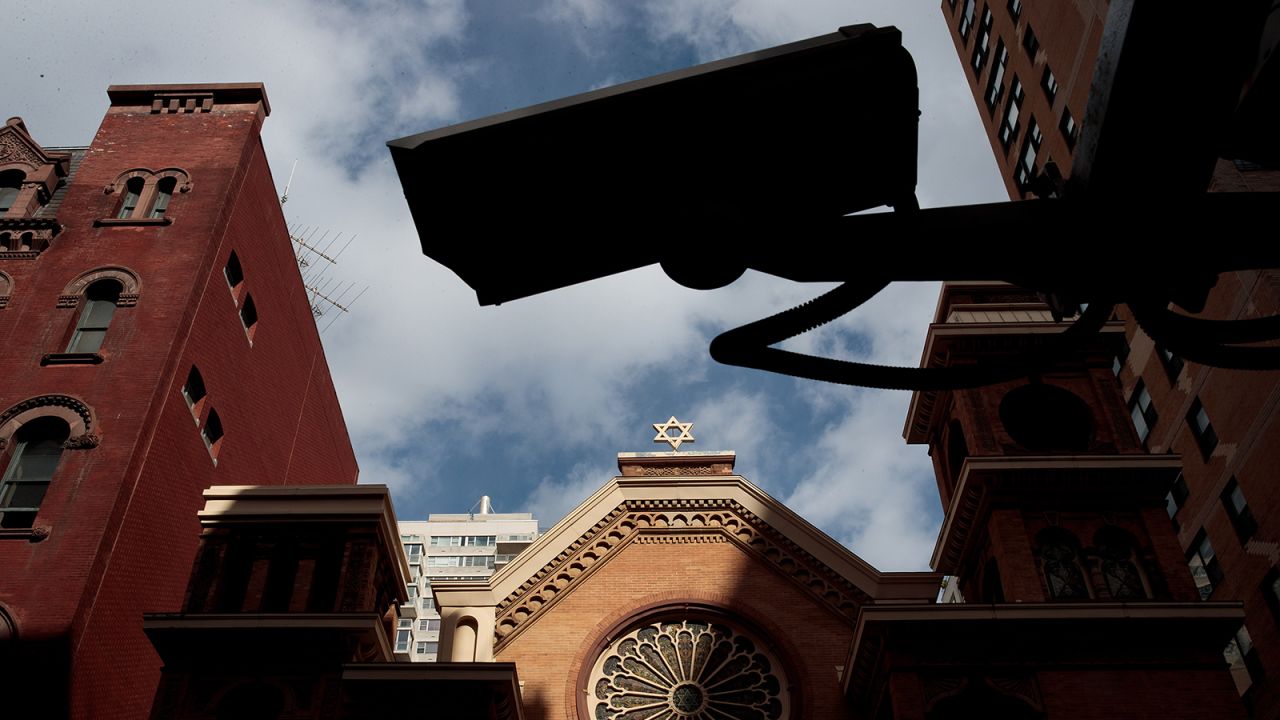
x=673, y=432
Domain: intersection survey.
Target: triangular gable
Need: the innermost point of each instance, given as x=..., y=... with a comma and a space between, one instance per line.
x=18, y=149
x=671, y=504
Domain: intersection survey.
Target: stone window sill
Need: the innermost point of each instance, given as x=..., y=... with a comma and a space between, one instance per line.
x=126, y=222
x=71, y=359
x=31, y=534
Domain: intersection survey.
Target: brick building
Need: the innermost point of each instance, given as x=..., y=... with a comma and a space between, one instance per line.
x=156, y=340
x=1030, y=67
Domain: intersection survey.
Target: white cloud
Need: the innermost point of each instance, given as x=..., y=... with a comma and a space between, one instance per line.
x=553, y=498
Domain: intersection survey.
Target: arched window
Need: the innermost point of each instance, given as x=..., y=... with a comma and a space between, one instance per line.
x=249, y=317
x=37, y=447
x=132, y=192
x=164, y=191
x=10, y=186
x=1119, y=570
x=100, y=300
x=1060, y=563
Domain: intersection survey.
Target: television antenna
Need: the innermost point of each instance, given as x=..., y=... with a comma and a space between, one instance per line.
x=316, y=257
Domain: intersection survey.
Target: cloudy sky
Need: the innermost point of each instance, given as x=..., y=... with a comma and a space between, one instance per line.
x=530, y=402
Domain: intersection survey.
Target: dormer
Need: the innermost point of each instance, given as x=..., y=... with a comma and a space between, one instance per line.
x=29, y=176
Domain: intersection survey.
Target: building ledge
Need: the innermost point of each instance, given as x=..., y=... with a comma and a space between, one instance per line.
x=70, y=359
x=132, y=222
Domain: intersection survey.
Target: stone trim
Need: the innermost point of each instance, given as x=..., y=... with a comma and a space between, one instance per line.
x=6, y=289
x=130, y=286
x=79, y=416
x=675, y=521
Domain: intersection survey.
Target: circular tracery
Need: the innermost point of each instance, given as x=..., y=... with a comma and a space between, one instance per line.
x=690, y=670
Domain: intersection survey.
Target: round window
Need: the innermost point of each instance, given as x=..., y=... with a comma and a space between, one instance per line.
x=689, y=670
x=1046, y=417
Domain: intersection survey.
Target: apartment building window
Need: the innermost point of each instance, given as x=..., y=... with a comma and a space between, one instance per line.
x=1026, y=170
x=1015, y=9
x=37, y=447
x=211, y=434
x=421, y=648
x=413, y=592
x=193, y=393
x=414, y=551
x=428, y=603
x=1029, y=42
x=1069, y=128
x=1050, y=84
x=1205, y=570
x=1142, y=411
x=100, y=301
x=966, y=18
x=982, y=48
x=431, y=648
x=1172, y=363
x=1201, y=428
x=235, y=275
x=1242, y=659
x=1009, y=125
x=132, y=192
x=995, y=84
x=1117, y=364
x=249, y=317
x=1176, y=498
x=10, y=186
x=429, y=625
x=403, y=638
x=1238, y=511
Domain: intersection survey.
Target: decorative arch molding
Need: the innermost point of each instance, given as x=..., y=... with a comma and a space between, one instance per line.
x=130, y=286
x=78, y=416
x=8, y=628
x=182, y=178
x=704, y=645
x=674, y=521
x=6, y=289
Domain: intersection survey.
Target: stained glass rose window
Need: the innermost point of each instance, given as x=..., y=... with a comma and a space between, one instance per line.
x=689, y=670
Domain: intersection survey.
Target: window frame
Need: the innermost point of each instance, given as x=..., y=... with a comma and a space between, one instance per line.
x=1238, y=511
x=995, y=82
x=212, y=434
x=110, y=290
x=146, y=196
x=1148, y=413
x=1010, y=122
x=1206, y=437
x=982, y=47
x=1212, y=574
x=968, y=16
x=1049, y=83
x=50, y=428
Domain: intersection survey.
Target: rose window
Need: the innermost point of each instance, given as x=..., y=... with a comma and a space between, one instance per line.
x=687, y=671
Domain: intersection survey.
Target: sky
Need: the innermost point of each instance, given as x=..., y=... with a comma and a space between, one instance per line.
x=530, y=402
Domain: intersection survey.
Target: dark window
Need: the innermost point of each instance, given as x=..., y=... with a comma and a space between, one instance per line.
x=1206, y=438
x=1142, y=411
x=234, y=274
x=1015, y=9
x=1009, y=125
x=1238, y=510
x=1242, y=660
x=992, y=588
x=1172, y=363
x=966, y=18
x=10, y=186
x=1059, y=561
x=1121, y=356
x=95, y=317
x=1176, y=498
x=1050, y=84
x=1270, y=589
x=1026, y=169
x=1205, y=570
x=1029, y=41
x=164, y=192
x=995, y=84
x=249, y=316
x=1118, y=563
x=982, y=48
x=1068, y=128
x=132, y=192
x=211, y=433
x=38, y=445
x=193, y=392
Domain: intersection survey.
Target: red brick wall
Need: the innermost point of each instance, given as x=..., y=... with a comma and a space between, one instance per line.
x=123, y=515
x=809, y=640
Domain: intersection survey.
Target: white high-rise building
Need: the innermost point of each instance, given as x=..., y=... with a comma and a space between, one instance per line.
x=459, y=546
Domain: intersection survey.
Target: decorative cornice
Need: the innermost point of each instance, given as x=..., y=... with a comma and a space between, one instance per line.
x=671, y=521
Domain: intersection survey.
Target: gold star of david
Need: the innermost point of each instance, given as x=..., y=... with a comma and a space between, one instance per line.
x=664, y=435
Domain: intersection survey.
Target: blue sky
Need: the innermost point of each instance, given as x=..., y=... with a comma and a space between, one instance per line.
x=530, y=402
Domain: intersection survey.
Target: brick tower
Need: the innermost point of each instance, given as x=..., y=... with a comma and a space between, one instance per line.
x=1072, y=595
x=156, y=340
